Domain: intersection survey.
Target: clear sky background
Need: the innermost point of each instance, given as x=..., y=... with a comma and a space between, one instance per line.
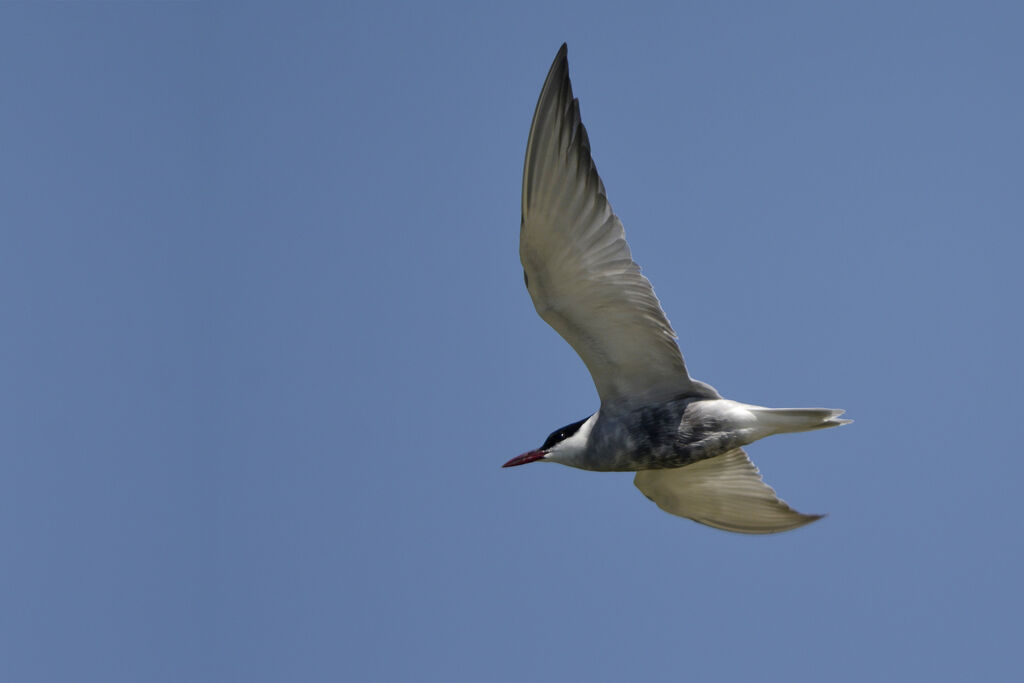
x=266, y=343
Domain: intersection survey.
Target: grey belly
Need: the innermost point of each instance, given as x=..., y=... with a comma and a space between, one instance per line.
x=657, y=437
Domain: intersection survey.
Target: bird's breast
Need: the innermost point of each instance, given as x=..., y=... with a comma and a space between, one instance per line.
x=662, y=436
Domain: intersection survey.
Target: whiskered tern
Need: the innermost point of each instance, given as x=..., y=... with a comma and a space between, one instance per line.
x=683, y=440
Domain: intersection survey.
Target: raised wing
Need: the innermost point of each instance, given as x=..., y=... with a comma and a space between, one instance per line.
x=578, y=267
x=725, y=491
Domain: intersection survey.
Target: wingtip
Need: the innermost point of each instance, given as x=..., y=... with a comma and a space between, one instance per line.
x=801, y=520
x=562, y=57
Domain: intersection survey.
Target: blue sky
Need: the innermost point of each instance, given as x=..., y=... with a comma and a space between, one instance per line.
x=266, y=342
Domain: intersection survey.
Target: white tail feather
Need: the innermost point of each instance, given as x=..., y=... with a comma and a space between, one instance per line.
x=785, y=420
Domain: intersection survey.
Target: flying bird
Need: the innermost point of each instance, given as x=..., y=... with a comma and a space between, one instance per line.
x=683, y=440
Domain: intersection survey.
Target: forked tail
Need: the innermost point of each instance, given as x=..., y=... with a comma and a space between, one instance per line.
x=784, y=420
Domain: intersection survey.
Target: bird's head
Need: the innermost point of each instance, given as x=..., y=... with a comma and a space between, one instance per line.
x=565, y=445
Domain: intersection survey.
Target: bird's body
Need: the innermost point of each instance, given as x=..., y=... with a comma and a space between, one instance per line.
x=676, y=433
x=682, y=438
